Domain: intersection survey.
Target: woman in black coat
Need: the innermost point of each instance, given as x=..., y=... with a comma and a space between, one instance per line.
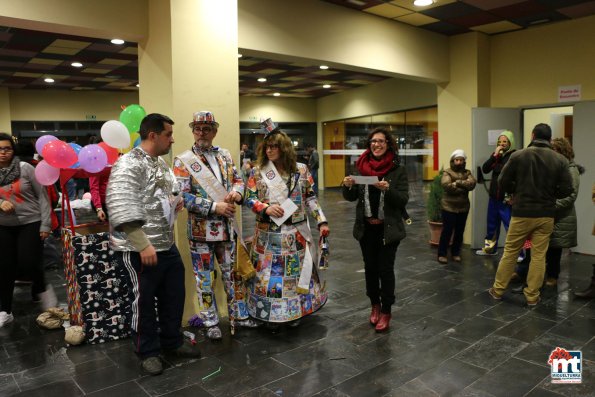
x=379, y=225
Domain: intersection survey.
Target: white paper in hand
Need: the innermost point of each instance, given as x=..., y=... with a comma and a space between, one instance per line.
x=289, y=208
x=364, y=180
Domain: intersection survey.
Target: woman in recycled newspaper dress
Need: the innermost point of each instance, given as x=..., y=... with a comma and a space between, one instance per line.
x=287, y=285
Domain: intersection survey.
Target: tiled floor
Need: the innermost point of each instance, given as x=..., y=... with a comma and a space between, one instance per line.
x=447, y=338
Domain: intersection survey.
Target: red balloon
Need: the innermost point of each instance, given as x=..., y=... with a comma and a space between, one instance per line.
x=112, y=153
x=59, y=154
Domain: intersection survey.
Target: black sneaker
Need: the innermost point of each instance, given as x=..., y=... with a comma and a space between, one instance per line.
x=185, y=351
x=152, y=366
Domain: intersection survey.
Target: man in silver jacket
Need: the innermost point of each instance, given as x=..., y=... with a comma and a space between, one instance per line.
x=142, y=200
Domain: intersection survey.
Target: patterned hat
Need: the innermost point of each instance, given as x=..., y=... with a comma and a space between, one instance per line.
x=203, y=117
x=268, y=126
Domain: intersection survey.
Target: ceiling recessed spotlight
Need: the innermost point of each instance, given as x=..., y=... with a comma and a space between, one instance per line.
x=326, y=86
x=137, y=84
x=423, y=3
x=240, y=55
x=262, y=79
x=323, y=67
x=76, y=64
x=276, y=94
x=117, y=41
x=48, y=80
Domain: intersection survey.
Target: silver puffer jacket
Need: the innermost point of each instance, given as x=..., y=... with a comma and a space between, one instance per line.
x=140, y=190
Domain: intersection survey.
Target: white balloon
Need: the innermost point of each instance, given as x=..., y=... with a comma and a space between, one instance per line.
x=115, y=134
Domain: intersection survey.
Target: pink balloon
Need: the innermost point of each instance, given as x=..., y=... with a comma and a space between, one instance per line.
x=59, y=154
x=92, y=158
x=45, y=174
x=41, y=141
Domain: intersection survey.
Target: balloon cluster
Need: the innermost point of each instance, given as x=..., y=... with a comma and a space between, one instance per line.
x=118, y=136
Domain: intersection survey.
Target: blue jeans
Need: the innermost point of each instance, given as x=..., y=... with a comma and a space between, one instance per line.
x=498, y=212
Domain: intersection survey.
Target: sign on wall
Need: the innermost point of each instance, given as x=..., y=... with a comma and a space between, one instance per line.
x=569, y=93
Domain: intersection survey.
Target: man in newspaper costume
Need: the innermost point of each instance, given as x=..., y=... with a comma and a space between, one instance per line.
x=142, y=200
x=211, y=188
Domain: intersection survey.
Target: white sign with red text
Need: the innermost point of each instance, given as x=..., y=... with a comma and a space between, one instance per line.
x=569, y=93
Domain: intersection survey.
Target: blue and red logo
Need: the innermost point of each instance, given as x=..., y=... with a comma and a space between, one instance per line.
x=567, y=365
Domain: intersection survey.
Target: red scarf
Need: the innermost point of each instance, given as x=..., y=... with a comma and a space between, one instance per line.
x=370, y=166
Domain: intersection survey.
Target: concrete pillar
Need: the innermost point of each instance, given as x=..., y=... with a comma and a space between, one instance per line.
x=468, y=87
x=189, y=63
x=5, y=110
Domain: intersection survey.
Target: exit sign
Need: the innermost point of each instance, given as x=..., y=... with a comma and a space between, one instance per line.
x=91, y=117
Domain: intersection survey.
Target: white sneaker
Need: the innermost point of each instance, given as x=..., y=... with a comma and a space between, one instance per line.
x=48, y=298
x=247, y=323
x=5, y=318
x=483, y=253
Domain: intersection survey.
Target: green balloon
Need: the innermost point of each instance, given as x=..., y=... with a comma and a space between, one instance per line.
x=132, y=116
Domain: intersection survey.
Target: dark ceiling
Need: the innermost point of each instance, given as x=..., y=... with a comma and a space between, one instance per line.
x=451, y=17
x=27, y=57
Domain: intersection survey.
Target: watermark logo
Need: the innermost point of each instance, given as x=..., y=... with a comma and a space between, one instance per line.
x=567, y=365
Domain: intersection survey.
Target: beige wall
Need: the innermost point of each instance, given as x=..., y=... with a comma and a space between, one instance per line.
x=528, y=66
x=4, y=110
x=106, y=19
x=552, y=116
x=386, y=96
x=456, y=99
x=51, y=105
x=155, y=61
x=312, y=29
x=279, y=109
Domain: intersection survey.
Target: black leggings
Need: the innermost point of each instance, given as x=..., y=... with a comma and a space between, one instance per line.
x=22, y=252
x=379, y=265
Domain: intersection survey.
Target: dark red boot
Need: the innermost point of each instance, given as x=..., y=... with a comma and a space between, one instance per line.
x=383, y=322
x=375, y=315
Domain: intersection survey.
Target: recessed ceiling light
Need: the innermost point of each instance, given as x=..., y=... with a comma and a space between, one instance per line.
x=276, y=94
x=423, y=3
x=326, y=86
x=76, y=64
x=48, y=80
x=117, y=41
x=240, y=55
x=137, y=84
x=323, y=67
x=262, y=79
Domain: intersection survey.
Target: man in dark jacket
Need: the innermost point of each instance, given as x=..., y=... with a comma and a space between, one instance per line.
x=499, y=210
x=536, y=177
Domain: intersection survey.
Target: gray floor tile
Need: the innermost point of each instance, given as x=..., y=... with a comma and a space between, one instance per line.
x=447, y=336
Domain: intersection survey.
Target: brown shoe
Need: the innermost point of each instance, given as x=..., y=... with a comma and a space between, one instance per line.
x=383, y=322
x=456, y=258
x=375, y=315
x=443, y=260
x=533, y=303
x=494, y=294
x=551, y=282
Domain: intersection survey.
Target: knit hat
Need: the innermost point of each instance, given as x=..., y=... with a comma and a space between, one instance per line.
x=510, y=136
x=458, y=153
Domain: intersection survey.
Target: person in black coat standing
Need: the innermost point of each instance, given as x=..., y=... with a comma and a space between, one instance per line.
x=379, y=225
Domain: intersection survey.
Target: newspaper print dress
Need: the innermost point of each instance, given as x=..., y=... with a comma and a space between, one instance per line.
x=277, y=252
